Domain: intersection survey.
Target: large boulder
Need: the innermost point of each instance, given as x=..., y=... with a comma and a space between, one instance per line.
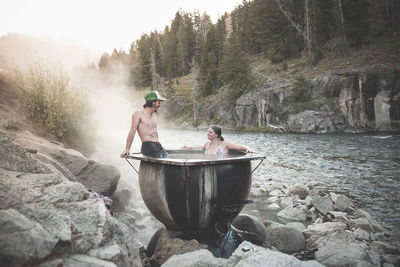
x=253, y=226
x=165, y=243
x=47, y=219
x=285, y=239
x=95, y=176
x=247, y=254
x=342, y=249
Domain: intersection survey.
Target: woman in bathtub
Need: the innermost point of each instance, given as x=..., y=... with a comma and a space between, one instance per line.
x=216, y=144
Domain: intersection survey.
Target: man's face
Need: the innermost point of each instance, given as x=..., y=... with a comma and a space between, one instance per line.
x=156, y=104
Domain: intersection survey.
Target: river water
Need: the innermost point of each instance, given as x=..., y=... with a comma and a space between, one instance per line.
x=365, y=167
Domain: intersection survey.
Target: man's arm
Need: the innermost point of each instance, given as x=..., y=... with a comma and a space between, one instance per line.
x=132, y=132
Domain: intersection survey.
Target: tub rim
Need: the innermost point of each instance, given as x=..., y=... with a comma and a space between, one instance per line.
x=209, y=160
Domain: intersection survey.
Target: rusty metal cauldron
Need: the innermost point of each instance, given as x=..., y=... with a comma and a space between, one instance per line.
x=192, y=192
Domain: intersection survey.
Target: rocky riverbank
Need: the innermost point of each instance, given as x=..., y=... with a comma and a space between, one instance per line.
x=322, y=229
x=50, y=218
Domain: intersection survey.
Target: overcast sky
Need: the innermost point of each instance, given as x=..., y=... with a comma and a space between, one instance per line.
x=99, y=24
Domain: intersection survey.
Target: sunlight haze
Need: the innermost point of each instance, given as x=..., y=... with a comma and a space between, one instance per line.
x=101, y=25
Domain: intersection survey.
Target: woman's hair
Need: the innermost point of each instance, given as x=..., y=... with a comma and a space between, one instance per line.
x=217, y=131
x=148, y=104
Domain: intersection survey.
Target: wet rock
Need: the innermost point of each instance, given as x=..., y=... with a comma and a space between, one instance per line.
x=247, y=254
x=362, y=223
x=285, y=239
x=363, y=214
x=300, y=190
x=342, y=203
x=286, y=201
x=296, y=225
x=342, y=249
x=273, y=199
x=269, y=223
x=253, y=225
x=86, y=261
x=392, y=259
x=361, y=234
x=322, y=203
x=198, y=258
x=273, y=206
x=325, y=228
x=294, y=214
x=167, y=245
x=277, y=192
x=384, y=247
x=308, y=201
x=106, y=253
x=339, y=216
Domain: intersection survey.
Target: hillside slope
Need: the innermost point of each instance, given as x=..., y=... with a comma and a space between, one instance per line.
x=359, y=92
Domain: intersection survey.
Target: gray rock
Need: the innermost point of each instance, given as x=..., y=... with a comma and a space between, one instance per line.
x=97, y=177
x=45, y=214
x=322, y=203
x=106, y=253
x=294, y=214
x=301, y=190
x=339, y=216
x=247, y=254
x=273, y=199
x=15, y=158
x=342, y=203
x=273, y=206
x=268, y=223
x=285, y=239
x=361, y=234
x=363, y=214
x=168, y=246
x=253, y=225
x=21, y=239
x=286, y=201
x=384, y=248
x=326, y=228
x=197, y=258
x=362, y=223
x=78, y=260
x=53, y=262
x=391, y=258
x=296, y=225
x=341, y=249
x=308, y=201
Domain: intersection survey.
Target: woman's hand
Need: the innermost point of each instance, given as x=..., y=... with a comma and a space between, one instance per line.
x=248, y=150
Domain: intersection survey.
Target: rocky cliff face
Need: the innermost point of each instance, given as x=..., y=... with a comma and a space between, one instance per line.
x=348, y=100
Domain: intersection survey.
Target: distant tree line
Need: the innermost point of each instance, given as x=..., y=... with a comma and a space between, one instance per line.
x=277, y=29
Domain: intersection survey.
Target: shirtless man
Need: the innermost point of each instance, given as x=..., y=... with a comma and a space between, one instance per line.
x=145, y=123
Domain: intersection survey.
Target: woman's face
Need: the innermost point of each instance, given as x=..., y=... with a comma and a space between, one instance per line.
x=211, y=134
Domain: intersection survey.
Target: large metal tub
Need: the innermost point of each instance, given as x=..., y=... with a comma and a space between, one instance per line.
x=190, y=191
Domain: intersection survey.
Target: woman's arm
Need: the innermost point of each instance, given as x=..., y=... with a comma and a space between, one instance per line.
x=232, y=146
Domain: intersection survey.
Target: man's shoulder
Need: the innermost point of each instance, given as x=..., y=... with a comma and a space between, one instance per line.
x=137, y=114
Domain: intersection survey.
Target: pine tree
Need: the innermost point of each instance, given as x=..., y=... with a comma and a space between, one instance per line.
x=235, y=68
